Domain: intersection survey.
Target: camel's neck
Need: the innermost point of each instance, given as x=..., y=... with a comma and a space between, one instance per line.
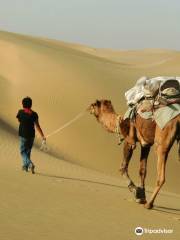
x=109, y=121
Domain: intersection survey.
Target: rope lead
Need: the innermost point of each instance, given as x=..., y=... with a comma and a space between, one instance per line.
x=44, y=144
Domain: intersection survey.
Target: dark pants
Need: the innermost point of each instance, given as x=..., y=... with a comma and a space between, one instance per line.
x=26, y=145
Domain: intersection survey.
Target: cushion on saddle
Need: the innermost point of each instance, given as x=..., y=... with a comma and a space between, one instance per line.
x=169, y=92
x=164, y=114
x=161, y=116
x=132, y=111
x=170, y=89
x=145, y=105
x=171, y=83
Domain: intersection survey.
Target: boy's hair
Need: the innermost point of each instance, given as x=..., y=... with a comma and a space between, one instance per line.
x=27, y=102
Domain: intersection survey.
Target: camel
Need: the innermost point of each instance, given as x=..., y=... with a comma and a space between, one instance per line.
x=147, y=133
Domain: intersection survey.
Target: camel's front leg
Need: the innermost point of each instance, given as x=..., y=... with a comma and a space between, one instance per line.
x=140, y=192
x=127, y=154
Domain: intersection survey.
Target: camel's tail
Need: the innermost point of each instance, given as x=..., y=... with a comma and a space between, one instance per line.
x=178, y=142
x=178, y=139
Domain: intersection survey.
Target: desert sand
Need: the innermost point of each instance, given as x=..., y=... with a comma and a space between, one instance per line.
x=77, y=191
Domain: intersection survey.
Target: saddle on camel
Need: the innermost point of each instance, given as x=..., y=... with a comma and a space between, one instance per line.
x=153, y=116
x=157, y=99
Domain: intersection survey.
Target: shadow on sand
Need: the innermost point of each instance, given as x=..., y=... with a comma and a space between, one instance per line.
x=169, y=210
x=161, y=209
x=80, y=180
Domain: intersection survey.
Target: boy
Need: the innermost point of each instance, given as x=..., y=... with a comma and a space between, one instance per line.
x=28, y=119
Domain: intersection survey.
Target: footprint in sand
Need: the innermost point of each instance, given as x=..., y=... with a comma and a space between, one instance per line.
x=128, y=199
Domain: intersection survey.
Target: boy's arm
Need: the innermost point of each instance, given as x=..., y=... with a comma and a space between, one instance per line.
x=17, y=116
x=39, y=130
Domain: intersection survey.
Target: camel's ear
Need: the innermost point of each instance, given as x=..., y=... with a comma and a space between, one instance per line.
x=98, y=103
x=107, y=102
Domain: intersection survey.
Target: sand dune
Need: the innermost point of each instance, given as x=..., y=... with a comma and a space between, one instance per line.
x=77, y=192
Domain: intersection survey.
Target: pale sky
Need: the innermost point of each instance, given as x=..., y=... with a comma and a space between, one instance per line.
x=118, y=24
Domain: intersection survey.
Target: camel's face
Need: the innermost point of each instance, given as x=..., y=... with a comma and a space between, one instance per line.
x=95, y=108
x=100, y=106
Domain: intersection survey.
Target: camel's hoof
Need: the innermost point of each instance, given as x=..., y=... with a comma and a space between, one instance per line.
x=148, y=205
x=141, y=200
x=132, y=187
x=140, y=195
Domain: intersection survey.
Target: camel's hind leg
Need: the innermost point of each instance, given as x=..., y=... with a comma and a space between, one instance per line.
x=164, y=140
x=161, y=165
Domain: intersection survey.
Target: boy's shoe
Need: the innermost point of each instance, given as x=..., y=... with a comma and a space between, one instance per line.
x=32, y=169
x=25, y=168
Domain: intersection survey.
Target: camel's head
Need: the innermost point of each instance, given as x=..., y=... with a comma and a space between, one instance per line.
x=101, y=106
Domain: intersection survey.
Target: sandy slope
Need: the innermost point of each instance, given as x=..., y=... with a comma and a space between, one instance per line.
x=66, y=201
x=77, y=192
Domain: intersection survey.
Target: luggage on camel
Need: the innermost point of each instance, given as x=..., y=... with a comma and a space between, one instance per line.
x=169, y=92
x=146, y=88
x=155, y=98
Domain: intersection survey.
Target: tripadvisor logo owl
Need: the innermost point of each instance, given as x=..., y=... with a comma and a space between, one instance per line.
x=139, y=231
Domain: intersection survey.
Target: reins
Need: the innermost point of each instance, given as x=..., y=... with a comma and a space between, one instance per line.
x=44, y=145
x=66, y=124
